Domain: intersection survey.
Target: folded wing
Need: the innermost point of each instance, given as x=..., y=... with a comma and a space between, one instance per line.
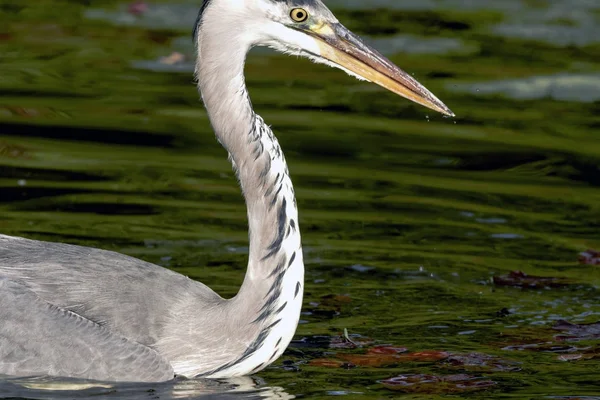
x=39, y=338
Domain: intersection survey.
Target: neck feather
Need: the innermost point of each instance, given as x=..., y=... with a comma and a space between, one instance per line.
x=271, y=295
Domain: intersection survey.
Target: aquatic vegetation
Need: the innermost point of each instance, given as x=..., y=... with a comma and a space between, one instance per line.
x=414, y=226
x=521, y=279
x=422, y=383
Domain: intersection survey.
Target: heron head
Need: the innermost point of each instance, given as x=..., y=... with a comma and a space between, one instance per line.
x=308, y=28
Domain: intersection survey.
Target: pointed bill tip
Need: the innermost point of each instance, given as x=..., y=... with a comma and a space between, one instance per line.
x=447, y=112
x=347, y=50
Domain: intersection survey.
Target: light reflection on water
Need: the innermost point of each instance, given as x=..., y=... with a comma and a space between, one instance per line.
x=582, y=87
x=51, y=388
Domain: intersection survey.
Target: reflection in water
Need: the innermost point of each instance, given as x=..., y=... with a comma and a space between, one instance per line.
x=53, y=388
x=562, y=22
x=583, y=88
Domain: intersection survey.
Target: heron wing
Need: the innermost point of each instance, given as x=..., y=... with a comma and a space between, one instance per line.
x=40, y=338
x=128, y=296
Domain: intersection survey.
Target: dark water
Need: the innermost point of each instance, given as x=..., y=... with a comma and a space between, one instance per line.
x=406, y=216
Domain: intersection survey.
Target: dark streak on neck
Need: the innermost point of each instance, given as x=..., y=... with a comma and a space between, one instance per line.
x=268, y=309
x=199, y=19
x=281, y=225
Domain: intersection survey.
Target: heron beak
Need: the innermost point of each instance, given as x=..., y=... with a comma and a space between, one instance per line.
x=347, y=50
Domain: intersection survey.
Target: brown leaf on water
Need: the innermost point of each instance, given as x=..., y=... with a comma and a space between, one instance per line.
x=525, y=338
x=589, y=257
x=430, y=384
x=330, y=363
x=425, y=356
x=137, y=7
x=324, y=362
x=381, y=358
x=480, y=362
x=522, y=280
x=371, y=360
x=386, y=350
x=13, y=150
x=574, y=332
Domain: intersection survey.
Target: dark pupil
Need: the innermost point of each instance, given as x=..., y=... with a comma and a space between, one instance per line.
x=299, y=14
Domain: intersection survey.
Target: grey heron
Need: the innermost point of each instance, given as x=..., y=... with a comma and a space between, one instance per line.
x=81, y=312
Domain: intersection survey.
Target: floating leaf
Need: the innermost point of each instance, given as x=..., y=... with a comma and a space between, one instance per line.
x=577, y=331
x=425, y=356
x=423, y=383
x=480, y=362
x=522, y=280
x=547, y=347
x=138, y=7
x=329, y=363
x=589, y=257
x=380, y=358
x=587, y=354
x=371, y=360
x=13, y=150
x=386, y=350
x=569, y=357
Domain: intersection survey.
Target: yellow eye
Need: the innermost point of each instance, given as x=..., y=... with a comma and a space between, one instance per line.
x=299, y=14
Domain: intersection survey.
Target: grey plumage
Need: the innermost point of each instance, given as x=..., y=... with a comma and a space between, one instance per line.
x=94, y=352
x=64, y=303
x=86, y=313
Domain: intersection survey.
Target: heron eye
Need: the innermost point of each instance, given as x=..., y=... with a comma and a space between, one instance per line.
x=299, y=14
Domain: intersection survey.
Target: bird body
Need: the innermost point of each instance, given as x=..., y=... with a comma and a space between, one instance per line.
x=87, y=313
x=184, y=327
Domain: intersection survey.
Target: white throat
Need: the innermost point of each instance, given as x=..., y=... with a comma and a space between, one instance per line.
x=271, y=295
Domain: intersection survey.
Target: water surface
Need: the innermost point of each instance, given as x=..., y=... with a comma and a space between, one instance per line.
x=406, y=216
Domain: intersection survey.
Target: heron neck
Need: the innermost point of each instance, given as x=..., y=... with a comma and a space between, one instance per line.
x=271, y=294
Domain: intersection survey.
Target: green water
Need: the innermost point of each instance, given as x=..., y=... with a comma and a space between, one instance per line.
x=406, y=214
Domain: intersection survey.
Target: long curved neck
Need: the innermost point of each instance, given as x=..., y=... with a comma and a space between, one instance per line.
x=271, y=295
